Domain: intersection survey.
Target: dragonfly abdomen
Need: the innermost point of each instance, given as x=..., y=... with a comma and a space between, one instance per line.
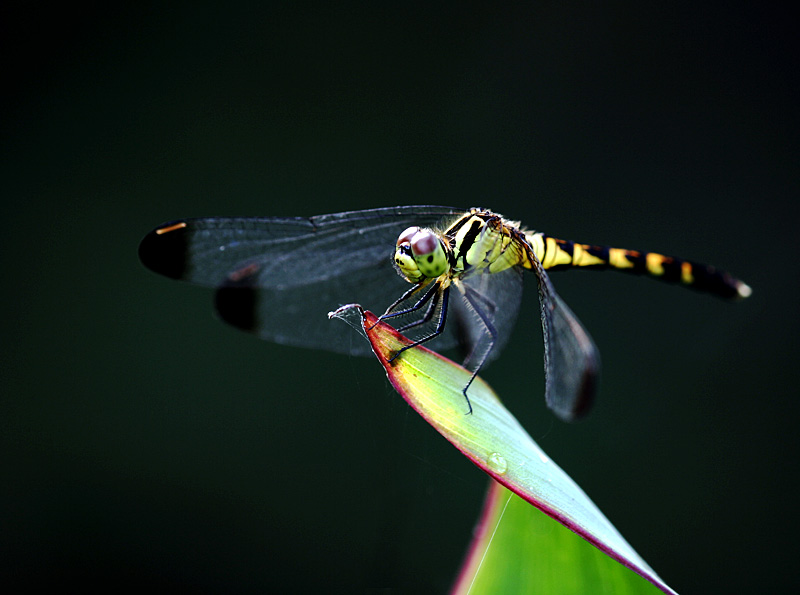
x=555, y=254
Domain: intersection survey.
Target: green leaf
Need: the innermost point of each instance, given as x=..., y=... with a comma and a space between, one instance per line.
x=517, y=549
x=495, y=441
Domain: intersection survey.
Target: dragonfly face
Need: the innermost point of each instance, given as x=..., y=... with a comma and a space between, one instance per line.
x=278, y=278
x=420, y=255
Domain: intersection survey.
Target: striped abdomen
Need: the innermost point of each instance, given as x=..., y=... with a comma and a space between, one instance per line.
x=557, y=254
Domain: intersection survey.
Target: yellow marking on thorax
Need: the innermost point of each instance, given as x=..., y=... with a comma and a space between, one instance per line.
x=473, y=256
x=494, y=248
x=504, y=255
x=617, y=258
x=655, y=263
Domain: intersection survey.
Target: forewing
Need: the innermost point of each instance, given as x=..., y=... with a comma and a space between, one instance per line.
x=571, y=360
x=279, y=277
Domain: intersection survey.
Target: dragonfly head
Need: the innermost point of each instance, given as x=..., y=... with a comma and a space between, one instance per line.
x=420, y=255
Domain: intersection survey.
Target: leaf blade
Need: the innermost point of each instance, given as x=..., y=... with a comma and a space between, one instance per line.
x=492, y=438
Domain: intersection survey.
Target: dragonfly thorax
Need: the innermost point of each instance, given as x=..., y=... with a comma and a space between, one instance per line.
x=420, y=255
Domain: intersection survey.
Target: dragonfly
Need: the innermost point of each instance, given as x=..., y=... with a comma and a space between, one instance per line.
x=278, y=277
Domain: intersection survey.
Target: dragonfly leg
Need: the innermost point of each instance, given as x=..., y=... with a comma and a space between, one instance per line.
x=442, y=297
x=426, y=318
x=433, y=292
x=390, y=313
x=473, y=297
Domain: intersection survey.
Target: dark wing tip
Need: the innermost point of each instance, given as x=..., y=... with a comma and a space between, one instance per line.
x=164, y=250
x=584, y=397
x=572, y=401
x=237, y=304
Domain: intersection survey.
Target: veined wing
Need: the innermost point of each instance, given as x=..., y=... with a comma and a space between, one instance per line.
x=571, y=360
x=473, y=304
x=499, y=296
x=279, y=277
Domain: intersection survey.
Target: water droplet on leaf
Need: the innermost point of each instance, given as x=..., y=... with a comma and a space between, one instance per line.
x=497, y=463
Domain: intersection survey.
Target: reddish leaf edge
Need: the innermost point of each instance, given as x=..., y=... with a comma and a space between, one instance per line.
x=372, y=328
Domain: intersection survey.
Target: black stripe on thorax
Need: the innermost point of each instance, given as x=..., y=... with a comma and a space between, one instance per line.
x=468, y=241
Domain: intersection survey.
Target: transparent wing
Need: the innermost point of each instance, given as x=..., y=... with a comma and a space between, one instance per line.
x=473, y=302
x=498, y=296
x=279, y=277
x=571, y=360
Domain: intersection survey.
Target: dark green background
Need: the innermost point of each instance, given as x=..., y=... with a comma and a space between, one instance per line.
x=144, y=443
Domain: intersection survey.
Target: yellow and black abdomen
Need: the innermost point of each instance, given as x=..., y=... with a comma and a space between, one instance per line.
x=557, y=254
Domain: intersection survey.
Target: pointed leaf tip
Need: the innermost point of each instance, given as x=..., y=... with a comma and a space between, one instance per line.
x=491, y=437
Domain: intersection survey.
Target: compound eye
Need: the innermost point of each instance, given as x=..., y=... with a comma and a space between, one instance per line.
x=405, y=237
x=424, y=242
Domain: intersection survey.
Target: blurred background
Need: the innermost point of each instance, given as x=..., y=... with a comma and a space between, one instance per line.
x=145, y=443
